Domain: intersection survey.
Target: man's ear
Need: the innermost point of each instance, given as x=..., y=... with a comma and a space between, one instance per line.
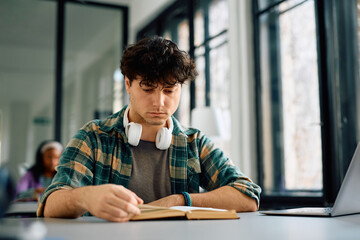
x=127, y=84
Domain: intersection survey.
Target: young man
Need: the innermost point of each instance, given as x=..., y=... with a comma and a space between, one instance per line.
x=142, y=154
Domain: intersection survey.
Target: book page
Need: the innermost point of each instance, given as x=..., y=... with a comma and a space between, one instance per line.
x=186, y=208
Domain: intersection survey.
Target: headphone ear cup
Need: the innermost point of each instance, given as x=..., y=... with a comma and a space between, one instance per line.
x=163, y=138
x=133, y=133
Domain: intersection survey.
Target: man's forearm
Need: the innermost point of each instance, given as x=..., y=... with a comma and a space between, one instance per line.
x=65, y=203
x=224, y=197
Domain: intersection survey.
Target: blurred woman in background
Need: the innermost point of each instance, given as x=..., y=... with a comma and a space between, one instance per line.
x=40, y=175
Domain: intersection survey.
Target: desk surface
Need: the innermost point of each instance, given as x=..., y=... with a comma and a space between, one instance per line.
x=249, y=226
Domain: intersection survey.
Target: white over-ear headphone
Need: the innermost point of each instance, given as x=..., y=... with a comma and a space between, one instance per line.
x=133, y=132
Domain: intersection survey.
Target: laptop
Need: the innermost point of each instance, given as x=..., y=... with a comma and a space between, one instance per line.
x=347, y=200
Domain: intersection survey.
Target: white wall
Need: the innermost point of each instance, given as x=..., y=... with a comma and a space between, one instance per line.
x=142, y=12
x=17, y=140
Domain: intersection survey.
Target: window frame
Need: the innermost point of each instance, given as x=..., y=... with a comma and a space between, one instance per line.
x=60, y=50
x=339, y=138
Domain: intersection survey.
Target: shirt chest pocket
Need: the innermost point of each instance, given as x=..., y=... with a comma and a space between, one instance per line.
x=193, y=172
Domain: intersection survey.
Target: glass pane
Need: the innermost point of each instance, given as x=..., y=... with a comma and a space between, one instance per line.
x=263, y=4
x=167, y=35
x=266, y=103
x=200, y=82
x=220, y=79
x=271, y=181
x=220, y=91
x=27, y=37
x=218, y=41
x=183, y=112
x=290, y=100
x=199, y=27
x=301, y=107
x=119, y=88
x=183, y=34
x=218, y=16
x=92, y=58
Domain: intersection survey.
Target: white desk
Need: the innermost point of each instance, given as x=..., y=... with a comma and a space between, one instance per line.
x=249, y=226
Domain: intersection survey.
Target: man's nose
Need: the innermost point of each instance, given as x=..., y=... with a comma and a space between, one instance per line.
x=158, y=99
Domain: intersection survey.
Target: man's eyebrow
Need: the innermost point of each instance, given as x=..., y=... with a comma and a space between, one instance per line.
x=170, y=85
x=153, y=86
x=147, y=86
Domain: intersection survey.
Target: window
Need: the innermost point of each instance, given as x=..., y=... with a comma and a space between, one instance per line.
x=211, y=54
x=290, y=98
x=212, y=87
x=304, y=138
x=300, y=98
x=91, y=57
x=51, y=82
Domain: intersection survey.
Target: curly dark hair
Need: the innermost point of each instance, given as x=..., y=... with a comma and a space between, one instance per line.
x=157, y=61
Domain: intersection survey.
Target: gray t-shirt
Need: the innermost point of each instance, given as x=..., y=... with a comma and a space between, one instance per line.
x=150, y=176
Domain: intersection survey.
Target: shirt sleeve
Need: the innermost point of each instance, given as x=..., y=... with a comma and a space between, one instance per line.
x=75, y=167
x=218, y=170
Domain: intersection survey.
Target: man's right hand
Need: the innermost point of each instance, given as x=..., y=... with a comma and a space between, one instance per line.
x=109, y=201
x=112, y=202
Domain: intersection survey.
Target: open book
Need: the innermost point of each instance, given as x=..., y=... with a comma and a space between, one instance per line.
x=153, y=212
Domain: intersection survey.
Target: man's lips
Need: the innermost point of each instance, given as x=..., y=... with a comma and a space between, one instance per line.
x=157, y=113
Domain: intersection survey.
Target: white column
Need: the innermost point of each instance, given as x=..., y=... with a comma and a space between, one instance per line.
x=242, y=82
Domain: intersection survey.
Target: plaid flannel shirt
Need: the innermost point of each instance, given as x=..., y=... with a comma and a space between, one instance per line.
x=100, y=153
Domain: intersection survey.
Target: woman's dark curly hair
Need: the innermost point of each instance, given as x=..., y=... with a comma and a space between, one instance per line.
x=157, y=61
